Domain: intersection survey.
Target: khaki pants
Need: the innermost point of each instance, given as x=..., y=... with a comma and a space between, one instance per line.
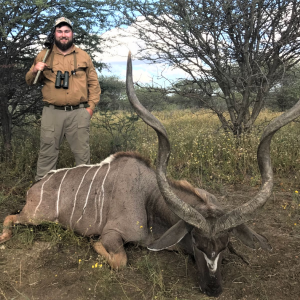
x=57, y=124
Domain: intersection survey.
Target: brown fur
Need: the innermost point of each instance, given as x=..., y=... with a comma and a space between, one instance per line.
x=187, y=187
x=133, y=154
x=7, y=232
x=115, y=260
x=211, y=210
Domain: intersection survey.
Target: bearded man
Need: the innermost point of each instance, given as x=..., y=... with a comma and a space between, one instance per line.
x=70, y=91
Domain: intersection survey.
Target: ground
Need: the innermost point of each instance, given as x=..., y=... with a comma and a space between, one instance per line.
x=64, y=267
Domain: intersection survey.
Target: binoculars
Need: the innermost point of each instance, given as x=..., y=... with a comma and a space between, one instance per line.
x=60, y=77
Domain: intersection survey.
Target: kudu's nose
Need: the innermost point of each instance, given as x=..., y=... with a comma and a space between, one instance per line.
x=213, y=291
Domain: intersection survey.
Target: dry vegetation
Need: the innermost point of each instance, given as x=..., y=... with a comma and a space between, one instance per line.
x=48, y=262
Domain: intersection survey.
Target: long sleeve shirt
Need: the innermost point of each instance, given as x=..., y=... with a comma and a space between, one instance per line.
x=83, y=85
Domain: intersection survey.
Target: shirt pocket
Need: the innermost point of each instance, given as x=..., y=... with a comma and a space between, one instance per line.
x=50, y=74
x=81, y=68
x=79, y=79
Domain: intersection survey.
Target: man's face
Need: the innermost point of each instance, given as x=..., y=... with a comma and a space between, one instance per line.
x=63, y=37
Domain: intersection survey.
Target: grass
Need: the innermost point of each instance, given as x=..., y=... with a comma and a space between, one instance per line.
x=48, y=232
x=201, y=153
x=205, y=155
x=152, y=270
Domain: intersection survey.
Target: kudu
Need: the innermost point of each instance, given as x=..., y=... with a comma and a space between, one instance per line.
x=123, y=200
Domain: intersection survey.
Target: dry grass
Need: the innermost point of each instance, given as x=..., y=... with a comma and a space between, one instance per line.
x=47, y=262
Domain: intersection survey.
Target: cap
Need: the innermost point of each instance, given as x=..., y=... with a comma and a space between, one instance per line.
x=63, y=20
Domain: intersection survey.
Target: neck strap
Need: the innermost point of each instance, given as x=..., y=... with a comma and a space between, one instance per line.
x=73, y=72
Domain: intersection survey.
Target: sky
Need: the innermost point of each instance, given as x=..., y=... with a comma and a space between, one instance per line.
x=115, y=56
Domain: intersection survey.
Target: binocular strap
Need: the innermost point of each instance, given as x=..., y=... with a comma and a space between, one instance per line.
x=73, y=72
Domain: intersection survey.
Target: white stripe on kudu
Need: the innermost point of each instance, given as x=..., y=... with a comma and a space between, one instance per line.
x=41, y=195
x=169, y=210
x=102, y=192
x=75, y=200
x=58, y=194
x=88, y=194
x=108, y=160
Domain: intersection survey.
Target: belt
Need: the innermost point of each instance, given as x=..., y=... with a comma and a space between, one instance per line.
x=67, y=107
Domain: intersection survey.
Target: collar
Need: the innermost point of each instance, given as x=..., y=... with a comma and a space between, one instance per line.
x=71, y=50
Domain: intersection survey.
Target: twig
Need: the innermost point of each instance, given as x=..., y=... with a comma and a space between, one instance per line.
x=2, y=293
x=20, y=272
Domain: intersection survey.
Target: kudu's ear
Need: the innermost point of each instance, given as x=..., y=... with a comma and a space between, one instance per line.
x=171, y=237
x=248, y=237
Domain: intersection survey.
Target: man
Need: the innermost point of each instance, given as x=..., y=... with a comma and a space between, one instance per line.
x=70, y=93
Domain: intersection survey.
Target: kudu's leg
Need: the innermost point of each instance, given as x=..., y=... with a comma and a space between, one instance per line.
x=8, y=223
x=111, y=248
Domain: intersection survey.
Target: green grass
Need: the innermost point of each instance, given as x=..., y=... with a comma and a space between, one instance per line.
x=49, y=232
x=201, y=151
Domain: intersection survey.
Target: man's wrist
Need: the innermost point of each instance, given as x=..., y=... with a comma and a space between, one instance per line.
x=90, y=111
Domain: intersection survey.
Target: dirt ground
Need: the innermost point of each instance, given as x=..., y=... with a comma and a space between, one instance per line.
x=70, y=269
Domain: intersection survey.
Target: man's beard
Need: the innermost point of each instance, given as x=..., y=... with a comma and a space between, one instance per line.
x=64, y=46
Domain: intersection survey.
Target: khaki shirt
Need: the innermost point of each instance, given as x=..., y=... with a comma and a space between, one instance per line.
x=83, y=86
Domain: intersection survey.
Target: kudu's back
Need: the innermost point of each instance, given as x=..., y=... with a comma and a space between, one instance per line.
x=88, y=199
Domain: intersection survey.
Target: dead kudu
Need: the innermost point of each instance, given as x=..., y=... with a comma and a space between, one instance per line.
x=123, y=200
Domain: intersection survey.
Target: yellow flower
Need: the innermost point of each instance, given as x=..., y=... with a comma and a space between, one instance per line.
x=93, y=266
x=296, y=192
x=295, y=224
x=141, y=226
x=96, y=264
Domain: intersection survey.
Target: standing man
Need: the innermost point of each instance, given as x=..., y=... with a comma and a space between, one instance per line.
x=70, y=93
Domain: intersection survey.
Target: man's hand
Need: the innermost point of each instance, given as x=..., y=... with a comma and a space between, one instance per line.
x=40, y=66
x=89, y=111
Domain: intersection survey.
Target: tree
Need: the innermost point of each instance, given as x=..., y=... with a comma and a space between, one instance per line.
x=187, y=94
x=23, y=24
x=113, y=93
x=152, y=98
x=243, y=46
x=286, y=91
x=119, y=125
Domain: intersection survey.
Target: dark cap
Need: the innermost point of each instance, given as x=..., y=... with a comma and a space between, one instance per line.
x=63, y=20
